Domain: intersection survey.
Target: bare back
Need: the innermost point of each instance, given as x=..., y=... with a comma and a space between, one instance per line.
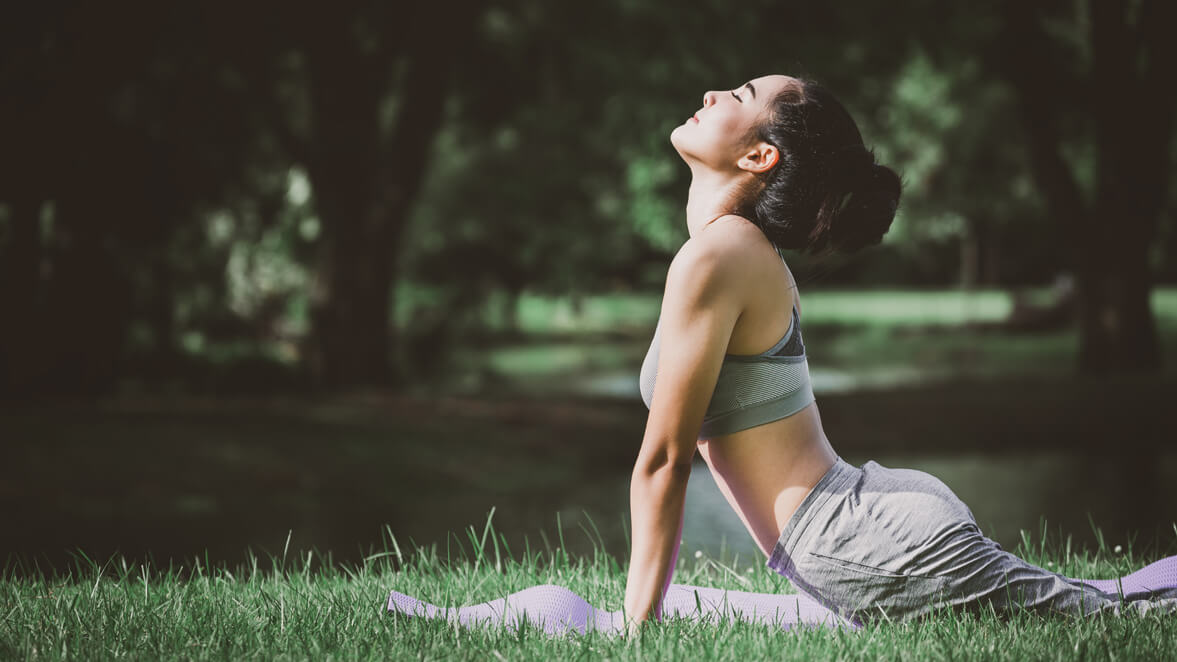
x=766, y=471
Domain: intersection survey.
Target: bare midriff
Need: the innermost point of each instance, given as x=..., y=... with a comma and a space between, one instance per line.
x=766, y=472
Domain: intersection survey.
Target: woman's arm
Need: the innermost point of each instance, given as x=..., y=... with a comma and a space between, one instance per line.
x=699, y=311
x=656, y=509
x=675, y=546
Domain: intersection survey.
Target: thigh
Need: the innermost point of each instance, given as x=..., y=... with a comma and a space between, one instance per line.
x=863, y=591
x=874, y=553
x=980, y=574
x=941, y=540
x=900, y=544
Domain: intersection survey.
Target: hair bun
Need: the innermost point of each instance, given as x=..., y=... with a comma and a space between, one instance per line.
x=868, y=209
x=826, y=193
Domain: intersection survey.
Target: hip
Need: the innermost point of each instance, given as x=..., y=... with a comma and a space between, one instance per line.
x=876, y=538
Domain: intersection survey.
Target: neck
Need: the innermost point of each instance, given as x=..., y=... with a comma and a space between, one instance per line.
x=711, y=196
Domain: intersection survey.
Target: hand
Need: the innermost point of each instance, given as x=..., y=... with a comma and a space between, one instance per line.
x=633, y=627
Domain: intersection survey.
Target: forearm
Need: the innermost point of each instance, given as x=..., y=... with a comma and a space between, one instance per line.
x=675, y=546
x=656, y=500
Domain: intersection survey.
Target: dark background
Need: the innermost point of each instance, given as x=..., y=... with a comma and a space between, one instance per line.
x=369, y=269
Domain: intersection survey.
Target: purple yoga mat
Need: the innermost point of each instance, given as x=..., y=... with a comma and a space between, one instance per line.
x=557, y=610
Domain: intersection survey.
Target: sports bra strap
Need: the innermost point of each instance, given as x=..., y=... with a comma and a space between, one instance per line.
x=796, y=308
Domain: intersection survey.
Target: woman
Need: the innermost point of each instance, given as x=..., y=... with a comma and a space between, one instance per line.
x=779, y=164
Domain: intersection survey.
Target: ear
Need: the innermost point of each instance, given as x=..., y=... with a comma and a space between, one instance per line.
x=760, y=158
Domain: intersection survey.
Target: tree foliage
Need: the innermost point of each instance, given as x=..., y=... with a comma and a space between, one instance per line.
x=346, y=189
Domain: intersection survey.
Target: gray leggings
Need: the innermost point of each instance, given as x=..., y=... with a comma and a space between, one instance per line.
x=875, y=542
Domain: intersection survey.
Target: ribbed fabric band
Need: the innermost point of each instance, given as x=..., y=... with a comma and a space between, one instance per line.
x=759, y=414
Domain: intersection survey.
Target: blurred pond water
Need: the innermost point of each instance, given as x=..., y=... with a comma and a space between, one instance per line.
x=187, y=483
x=1018, y=438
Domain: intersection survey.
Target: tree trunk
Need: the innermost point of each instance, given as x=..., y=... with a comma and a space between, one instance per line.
x=991, y=256
x=162, y=314
x=1117, y=332
x=970, y=255
x=20, y=292
x=351, y=301
x=1133, y=129
x=366, y=178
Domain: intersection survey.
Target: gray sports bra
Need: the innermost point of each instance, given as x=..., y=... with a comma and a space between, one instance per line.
x=752, y=389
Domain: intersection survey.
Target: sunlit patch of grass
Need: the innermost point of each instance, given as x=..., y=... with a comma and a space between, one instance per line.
x=872, y=307
x=302, y=605
x=587, y=314
x=869, y=336
x=944, y=352
x=905, y=307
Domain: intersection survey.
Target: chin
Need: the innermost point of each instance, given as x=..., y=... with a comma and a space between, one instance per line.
x=684, y=154
x=676, y=140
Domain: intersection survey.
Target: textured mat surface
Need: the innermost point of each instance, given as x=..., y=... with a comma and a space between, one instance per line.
x=557, y=610
x=1154, y=577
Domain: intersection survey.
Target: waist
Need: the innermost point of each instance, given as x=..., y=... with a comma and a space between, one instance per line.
x=766, y=471
x=793, y=501
x=838, y=479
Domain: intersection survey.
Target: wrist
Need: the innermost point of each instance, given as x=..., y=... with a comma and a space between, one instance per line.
x=634, y=626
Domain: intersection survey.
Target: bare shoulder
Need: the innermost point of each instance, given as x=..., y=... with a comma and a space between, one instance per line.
x=715, y=260
x=724, y=242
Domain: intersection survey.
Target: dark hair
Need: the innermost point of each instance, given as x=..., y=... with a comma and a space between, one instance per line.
x=826, y=193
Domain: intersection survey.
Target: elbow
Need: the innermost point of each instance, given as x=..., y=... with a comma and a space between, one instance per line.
x=676, y=466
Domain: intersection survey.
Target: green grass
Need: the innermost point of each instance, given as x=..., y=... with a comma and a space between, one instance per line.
x=869, y=337
x=299, y=607
x=863, y=337
x=609, y=312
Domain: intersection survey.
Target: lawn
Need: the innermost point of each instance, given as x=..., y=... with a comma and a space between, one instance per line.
x=608, y=312
x=186, y=474
x=296, y=606
x=854, y=339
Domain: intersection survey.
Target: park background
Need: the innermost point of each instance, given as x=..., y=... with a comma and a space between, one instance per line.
x=321, y=276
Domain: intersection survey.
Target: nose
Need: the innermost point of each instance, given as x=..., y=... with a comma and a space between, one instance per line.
x=709, y=98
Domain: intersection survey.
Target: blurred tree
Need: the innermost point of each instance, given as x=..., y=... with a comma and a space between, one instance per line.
x=608, y=83
x=1100, y=80
x=174, y=178
x=357, y=95
x=112, y=142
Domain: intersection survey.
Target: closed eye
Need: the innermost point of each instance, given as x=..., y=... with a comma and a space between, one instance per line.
x=737, y=97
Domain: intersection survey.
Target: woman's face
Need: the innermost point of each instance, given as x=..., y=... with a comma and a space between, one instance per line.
x=719, y=136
